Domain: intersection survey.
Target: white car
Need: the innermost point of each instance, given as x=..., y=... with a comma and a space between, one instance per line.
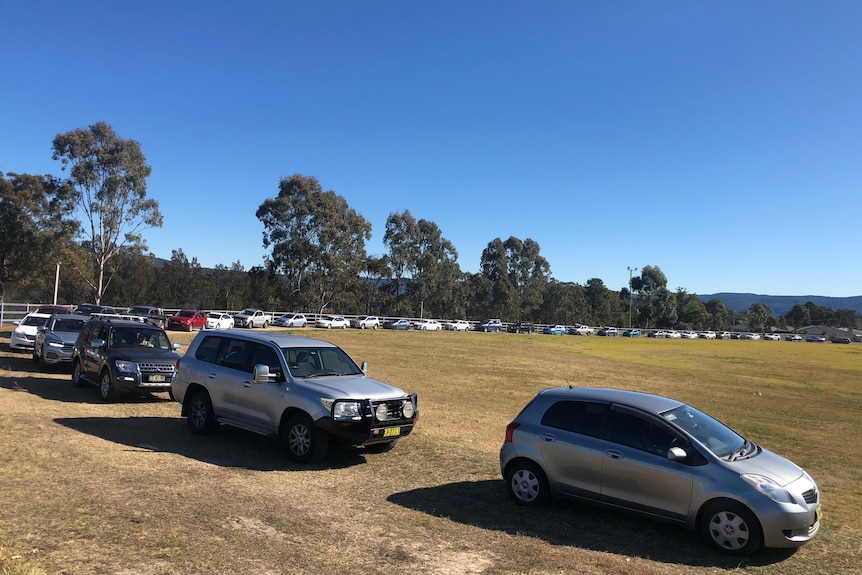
x=772, y=337
x=750, y=336
x=23, y=337
x=291, y=320
x=428, y=325
x=458, y=325
x=673, y=334
x=216, y=320
x=689, y=335
x=706, y=335
x=365, y=322
x=332, y=321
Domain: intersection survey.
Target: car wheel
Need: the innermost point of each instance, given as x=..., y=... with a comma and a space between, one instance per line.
x=374, y=326
x=201, y=417
x=527, y=483
x=42, y=363
x=191, y=327
x=106, y=388
x=731, y=528
x=381, y=447
x=305, y=442
x=76, y=374
x=265, y=324
x=33, y=353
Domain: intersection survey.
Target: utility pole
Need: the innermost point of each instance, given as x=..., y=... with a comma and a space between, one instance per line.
x=631, y=295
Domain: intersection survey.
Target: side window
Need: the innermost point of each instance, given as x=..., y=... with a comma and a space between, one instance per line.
x=236, y=355
x=208, y=349
x=582, y=417
x=635, y=431
x=267, y=356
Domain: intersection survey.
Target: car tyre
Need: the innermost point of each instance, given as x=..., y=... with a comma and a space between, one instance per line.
x=42, y=363
x=381, y=447
x=527, y=483
x=304, y=441
x=731, y=528
x=76, y=374
x=106, y=387
x=201, y=416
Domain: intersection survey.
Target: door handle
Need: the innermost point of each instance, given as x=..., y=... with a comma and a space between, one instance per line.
x=548, y=437
x=614, y=454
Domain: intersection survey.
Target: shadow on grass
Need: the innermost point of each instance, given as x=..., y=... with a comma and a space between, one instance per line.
x=485, y=504
x=227, y=447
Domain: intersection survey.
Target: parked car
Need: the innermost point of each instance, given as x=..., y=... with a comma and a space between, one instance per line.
x=54, y=309
x=632, y=333
x=331, y=321
x=657, y=333
x=816, y=339
x=300, y=390
x=122, y=356
x=579, y=329
x=706, y=335
x=219, y=320
x=793, y=337
x=556, y=329
x=494, y=325
x=673, y=334
x=723, y=335
x=291, y=320
x=771, y=337
x=750, y=336
x=841, y=340
x=607, y=332
x=735, y=335
x=252, y=318
x=151, y=314
x=660, y=457
x=428, y=325
x=457, y=325
x=55, y=341
x=521, y=327
x=365, y=322
x=23, y=336
x=688, y=335
x=188, y=320
x=399, y=324
x=94, y=309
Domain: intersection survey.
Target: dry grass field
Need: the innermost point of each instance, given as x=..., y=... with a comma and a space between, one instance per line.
x=88, y=487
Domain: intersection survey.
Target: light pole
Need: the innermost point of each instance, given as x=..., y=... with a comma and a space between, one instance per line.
x=631, y=296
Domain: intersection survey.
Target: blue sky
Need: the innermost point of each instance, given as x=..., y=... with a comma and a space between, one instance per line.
x=718, y=140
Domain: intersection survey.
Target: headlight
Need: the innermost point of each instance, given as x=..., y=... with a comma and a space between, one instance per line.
x=342, y=410
x=407, y=410
x=55, y=343
x=127, y=366
x=382, y=412
x=769, y=487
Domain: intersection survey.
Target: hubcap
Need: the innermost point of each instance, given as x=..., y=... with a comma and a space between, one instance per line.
x=729, y=530
x=525, y=485
x=299, y=439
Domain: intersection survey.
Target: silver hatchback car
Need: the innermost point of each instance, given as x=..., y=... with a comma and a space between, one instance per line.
x=662, y=458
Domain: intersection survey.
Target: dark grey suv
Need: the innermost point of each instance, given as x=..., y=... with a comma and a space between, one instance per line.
x=122, y=356
x=661, y=458
x=300, y=390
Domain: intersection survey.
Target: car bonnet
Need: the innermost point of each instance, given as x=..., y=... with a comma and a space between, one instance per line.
x=769, y=464
x=352, y=387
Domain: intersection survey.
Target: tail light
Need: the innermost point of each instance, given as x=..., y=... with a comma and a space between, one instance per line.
x=510, y=430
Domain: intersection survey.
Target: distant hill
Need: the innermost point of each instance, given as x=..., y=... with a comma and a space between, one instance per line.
x=780, y=304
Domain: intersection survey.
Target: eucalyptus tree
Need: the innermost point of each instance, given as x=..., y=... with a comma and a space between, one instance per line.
x=34, y=227
x=563, y=302
x=317, y=240
x=529, y=272
x=403, y=238
x=721, y=316
x=436, y=271
x=600, y=301
x=109, y=177
x=502, y=293
x=692, y=312
x=759, y=317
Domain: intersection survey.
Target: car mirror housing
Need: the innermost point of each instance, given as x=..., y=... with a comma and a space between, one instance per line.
x=364, y=367
x=677, y=454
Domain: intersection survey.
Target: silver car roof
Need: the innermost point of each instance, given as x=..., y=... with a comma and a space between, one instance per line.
x=639, y=400
x=281, y=340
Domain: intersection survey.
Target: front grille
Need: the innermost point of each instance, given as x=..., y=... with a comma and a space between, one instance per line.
x=156, y=367
x=393, y=409
x=810, y=496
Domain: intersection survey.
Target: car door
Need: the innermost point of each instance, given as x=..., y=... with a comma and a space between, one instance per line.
x=636, y=472
x=570, y=440
x=92, y=355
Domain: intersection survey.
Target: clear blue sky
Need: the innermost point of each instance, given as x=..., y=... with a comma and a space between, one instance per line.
x=719, y=140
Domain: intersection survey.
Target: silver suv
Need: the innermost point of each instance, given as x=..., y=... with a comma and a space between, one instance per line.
x=300, y=390
x=662, y=458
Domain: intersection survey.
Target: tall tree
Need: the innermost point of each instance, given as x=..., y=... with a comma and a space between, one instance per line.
x=502, y=295
x=529, y=273
x=33, y=226
x=109, y=177
x=403, y=238
x=437, y=271
x=758, y=317
x=317, y=240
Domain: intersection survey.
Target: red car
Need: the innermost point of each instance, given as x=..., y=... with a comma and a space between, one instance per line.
x=188, y=319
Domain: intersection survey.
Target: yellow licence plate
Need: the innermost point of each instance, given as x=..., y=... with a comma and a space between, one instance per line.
x=157, y=378
x=391, y=431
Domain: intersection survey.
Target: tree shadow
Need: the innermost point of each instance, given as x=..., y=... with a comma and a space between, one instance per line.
x=227, y=447
x=486, y=504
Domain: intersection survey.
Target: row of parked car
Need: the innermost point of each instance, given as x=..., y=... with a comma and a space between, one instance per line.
x=691, y=470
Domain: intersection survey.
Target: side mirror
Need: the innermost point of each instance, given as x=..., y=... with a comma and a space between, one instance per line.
x=677, y=454
x=261, y=374
x=364, y=367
